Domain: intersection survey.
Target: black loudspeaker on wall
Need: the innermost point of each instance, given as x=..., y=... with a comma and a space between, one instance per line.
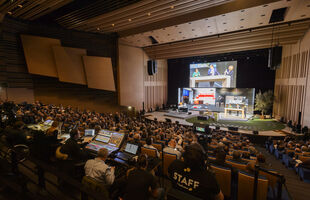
x=151, y=67
x=274, y=58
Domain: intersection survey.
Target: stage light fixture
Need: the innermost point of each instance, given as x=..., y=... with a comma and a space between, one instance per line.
x=129, y=20
x=113, y=25
x=171, y=7
x=149, y=14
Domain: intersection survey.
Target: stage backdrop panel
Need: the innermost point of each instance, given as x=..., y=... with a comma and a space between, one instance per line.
x=99, y=73
x=39, y=55
x=69, y=63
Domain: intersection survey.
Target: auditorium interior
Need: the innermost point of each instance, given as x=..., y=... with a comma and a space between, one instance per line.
x=155, y=99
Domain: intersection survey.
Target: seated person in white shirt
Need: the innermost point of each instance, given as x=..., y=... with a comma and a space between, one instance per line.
x=149, y=142
x=172, y=149
x=97, y=169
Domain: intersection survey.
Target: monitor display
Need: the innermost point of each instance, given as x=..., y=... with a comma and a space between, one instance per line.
x=102, y=138
x=105, y=133
x=214, y=74
x=89, y=132
x=131, y=148
x=200, y=129
x=116, y=139
x=48, y=122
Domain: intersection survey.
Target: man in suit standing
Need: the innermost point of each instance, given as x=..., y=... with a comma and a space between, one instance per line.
x=212, y=72
x=230, y=72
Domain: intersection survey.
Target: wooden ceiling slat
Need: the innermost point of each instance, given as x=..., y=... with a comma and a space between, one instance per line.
x=228, y=37
x=220, y=51
x=27, y=6
x=142, y=5
x=233, y=42
x=10, y=5
x=158, y=14
x=44, y=5
x=86, y=13
x=52, y=8
x=223, y=45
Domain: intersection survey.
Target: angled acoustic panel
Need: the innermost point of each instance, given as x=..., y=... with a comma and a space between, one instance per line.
x=99, y=73
x=39, y=55
x=69, y=63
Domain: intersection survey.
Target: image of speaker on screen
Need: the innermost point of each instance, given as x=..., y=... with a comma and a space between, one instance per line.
x=213, y=74
x=230, y=72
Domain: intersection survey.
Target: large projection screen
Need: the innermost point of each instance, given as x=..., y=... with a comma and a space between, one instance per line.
x=99, y=73
x=70, y=66
x=39, y=55
x=214, y=74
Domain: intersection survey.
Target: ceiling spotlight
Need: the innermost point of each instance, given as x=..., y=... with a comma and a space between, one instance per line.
x=113, y=25
x=129, y=20
x=149, y=14
x=98, y=29
x=19, y=5
x=171, y=7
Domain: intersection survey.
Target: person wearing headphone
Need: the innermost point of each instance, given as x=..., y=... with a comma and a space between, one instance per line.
x=73, y=149
x=191, y=175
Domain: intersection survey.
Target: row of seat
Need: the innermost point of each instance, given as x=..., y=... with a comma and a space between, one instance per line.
x=287, y=157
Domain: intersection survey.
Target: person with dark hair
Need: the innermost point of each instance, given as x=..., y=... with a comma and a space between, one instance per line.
x=237, y=157
x=141, y=184
x=15, y=135
x=191, y=175
x=220, y=159
x=149, y=142
x=72, y=148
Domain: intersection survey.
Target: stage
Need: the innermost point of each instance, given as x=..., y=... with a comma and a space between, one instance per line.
x=185, y=119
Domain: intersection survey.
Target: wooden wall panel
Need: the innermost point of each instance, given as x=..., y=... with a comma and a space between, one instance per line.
x=39, y=55
x=13, y=68
x=99, y=73
x=69, y=63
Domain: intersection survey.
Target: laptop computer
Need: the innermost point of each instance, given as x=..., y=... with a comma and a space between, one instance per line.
x=129, y=152
x=89, y=133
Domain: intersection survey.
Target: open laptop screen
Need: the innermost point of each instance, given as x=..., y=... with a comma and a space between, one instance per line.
x=131, y=148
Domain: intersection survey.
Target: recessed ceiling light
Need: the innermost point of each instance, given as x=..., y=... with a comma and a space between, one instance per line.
x=263, y=15
x=113, y=24
x=129, y=20
x=223, y=15
x=98, y=29
x=265, y=5
x=302, y=15
x=171, y=7
x=19, y=5
x=209, y=26
x=241, y=26
x=193, y=29
x=210, y=32
x=149, y=14
x=241, y=19
x=242, y=10
x=225, y=29
x=261, y=23
x=180, y=32
x=224, y=22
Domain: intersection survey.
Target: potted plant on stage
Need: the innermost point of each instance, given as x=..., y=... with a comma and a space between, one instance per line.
x=264, y=102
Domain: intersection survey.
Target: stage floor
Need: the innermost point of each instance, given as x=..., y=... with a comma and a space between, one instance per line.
x=161, y=116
